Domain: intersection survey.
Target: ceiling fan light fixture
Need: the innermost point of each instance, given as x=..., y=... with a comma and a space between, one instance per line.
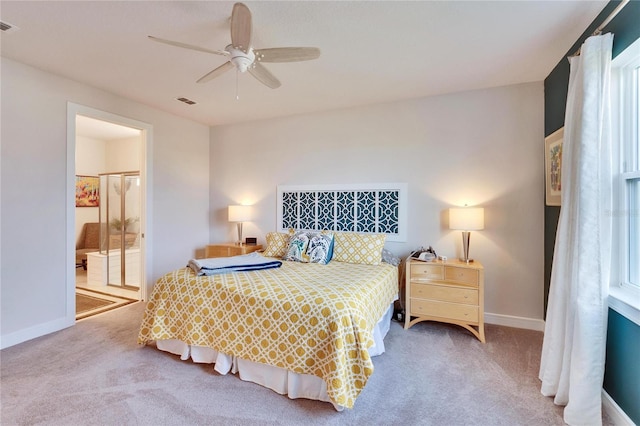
x=240, y=59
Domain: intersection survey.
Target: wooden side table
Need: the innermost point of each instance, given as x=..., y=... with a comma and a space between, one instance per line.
x=229, y=249
x=451, y=292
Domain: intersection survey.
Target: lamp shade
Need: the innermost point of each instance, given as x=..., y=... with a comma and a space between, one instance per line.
x=466, y=218
x=239, y=213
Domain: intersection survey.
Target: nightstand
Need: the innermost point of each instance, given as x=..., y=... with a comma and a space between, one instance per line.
x=451, y=292
x=229, y=249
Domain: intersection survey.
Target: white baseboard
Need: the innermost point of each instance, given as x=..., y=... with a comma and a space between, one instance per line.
x=12, y=339
x=516, y=322
x=613, y=410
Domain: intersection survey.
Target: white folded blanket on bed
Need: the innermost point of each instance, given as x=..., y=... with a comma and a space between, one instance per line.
x=221, y=265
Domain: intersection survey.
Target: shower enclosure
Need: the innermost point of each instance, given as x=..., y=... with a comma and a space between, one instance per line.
x=119, y=216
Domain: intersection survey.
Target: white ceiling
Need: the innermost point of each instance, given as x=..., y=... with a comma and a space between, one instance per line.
x=103, y=130
x=372, y=52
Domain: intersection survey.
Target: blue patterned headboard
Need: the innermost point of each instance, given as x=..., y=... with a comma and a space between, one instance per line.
x=366, y=208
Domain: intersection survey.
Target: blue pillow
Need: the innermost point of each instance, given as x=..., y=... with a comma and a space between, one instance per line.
x=320, y=248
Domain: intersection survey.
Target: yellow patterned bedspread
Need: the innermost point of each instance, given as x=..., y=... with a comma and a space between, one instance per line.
x=304, y=317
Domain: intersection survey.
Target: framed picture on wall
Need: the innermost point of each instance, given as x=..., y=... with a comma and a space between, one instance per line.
x=87, y=191
x=553, y=167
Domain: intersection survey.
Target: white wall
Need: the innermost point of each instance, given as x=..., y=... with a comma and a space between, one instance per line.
x=33, y=197
x=90, y=156
x=90, y=160
x=482, y=147
x=123, y=155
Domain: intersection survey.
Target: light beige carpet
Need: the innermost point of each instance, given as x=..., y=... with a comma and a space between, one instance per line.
x=433, y=374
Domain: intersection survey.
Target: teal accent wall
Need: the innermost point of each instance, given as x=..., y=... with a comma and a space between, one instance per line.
x=622, y=369
x=622, y=376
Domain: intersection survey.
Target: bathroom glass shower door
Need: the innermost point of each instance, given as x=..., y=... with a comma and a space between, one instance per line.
x=120, y=204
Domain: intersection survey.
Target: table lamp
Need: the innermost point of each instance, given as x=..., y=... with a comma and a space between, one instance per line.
x=239, y=214
x=466, y=219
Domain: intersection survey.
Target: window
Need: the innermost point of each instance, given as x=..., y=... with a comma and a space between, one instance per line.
x=625, y=92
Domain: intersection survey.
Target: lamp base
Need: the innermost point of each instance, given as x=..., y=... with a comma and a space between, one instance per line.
x=239, y=242
x=465, y=260
x=466, y=235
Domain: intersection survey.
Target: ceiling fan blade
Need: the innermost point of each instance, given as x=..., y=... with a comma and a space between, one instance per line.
x=188, y=46
x=241, y=27
x=216, y=72
x=287, y=54
x=263, y=75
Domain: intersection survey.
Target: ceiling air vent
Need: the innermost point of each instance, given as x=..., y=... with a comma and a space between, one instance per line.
x=5, y=27
x=186, y=101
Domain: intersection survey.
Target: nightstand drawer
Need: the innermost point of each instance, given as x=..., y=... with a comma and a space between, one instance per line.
x=461, y=275
x=444, y=293
x=454, y=311
x=229, y=249
x=218, y=251
x=424, y=271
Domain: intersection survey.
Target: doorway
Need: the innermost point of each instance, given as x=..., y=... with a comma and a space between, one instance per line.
x=102, y=144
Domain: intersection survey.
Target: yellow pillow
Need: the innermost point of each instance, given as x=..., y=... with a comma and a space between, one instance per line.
x=351, y=247
x=277, y=244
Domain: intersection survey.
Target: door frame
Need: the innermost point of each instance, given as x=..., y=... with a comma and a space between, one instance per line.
x=146, y=179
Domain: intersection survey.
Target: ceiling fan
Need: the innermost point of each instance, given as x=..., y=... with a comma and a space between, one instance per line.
x=243, y=56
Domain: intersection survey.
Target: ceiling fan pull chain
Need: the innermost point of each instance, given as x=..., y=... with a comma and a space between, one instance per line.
x=237, y=96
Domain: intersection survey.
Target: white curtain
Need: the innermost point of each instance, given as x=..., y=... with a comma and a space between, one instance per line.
x=573, y=350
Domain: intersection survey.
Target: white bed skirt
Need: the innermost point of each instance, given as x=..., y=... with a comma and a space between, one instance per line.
x=283, y=381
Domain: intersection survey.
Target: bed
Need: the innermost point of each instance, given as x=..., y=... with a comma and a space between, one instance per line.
x=307, y=330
